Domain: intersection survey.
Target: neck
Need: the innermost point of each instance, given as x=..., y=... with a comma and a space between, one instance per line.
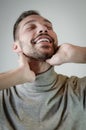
x=38, y=66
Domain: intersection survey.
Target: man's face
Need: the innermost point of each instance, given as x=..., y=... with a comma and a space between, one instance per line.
x=37, y=38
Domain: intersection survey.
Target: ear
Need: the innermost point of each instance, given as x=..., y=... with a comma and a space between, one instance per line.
x=16, y=47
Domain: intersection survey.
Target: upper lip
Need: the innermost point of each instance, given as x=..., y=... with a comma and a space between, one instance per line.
x=44, y=36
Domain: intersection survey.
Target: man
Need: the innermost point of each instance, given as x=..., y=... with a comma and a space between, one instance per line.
x=33, y=96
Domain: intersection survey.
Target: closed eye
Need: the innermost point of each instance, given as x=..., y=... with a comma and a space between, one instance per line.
x=49, y=27
x=31, y=27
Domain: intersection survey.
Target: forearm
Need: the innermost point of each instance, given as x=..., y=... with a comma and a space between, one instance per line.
x=17, y=76
x=10, y=78
x=77, y=54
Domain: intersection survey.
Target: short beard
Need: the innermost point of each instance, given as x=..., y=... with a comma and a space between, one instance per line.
x=42, y=57
x=36, y=55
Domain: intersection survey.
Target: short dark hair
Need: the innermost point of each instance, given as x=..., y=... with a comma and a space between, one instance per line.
x=20, y=18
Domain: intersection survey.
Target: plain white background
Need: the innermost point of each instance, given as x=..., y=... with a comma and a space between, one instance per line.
x=69, y=21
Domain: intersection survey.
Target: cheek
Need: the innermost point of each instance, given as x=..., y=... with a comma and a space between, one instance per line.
x=56, y=38
x=26, y=49
x=25, y=41
x=26, y=46
x=25, y=37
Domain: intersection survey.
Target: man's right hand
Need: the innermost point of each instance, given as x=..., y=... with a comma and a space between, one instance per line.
x=17, y=76
x=27, y=75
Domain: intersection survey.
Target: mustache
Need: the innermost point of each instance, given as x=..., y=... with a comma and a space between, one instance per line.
x=42, y=34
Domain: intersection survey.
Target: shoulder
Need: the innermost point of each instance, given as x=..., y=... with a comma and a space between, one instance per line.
x=77, y=81
x=73, y=83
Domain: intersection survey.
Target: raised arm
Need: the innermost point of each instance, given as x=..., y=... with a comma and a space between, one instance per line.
x=68, y=53
x=17, y=76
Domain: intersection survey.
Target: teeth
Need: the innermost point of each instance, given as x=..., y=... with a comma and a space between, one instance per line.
x=43, y=40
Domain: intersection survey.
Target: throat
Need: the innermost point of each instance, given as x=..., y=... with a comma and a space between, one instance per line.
x=39, y=66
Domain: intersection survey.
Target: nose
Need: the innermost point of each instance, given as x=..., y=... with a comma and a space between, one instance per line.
x=42, y=29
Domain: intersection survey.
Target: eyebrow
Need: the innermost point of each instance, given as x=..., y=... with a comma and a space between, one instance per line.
x=31, y=21
x=46, y=20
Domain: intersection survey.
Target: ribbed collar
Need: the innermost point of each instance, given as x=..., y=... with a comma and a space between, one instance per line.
x=43, y=82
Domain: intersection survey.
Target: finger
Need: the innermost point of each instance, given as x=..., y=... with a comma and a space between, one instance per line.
x=21, y=57
x=55, y=60
x=51, y=61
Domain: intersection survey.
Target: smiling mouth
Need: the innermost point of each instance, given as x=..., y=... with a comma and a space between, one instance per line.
x=43, y=39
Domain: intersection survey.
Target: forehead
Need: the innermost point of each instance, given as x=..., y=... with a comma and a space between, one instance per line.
x=33, y=18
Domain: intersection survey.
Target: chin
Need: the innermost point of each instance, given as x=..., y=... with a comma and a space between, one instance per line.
x=44, y=57
x=40, y=55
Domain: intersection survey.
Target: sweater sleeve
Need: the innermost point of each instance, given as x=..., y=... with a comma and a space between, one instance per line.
x=78, y=87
